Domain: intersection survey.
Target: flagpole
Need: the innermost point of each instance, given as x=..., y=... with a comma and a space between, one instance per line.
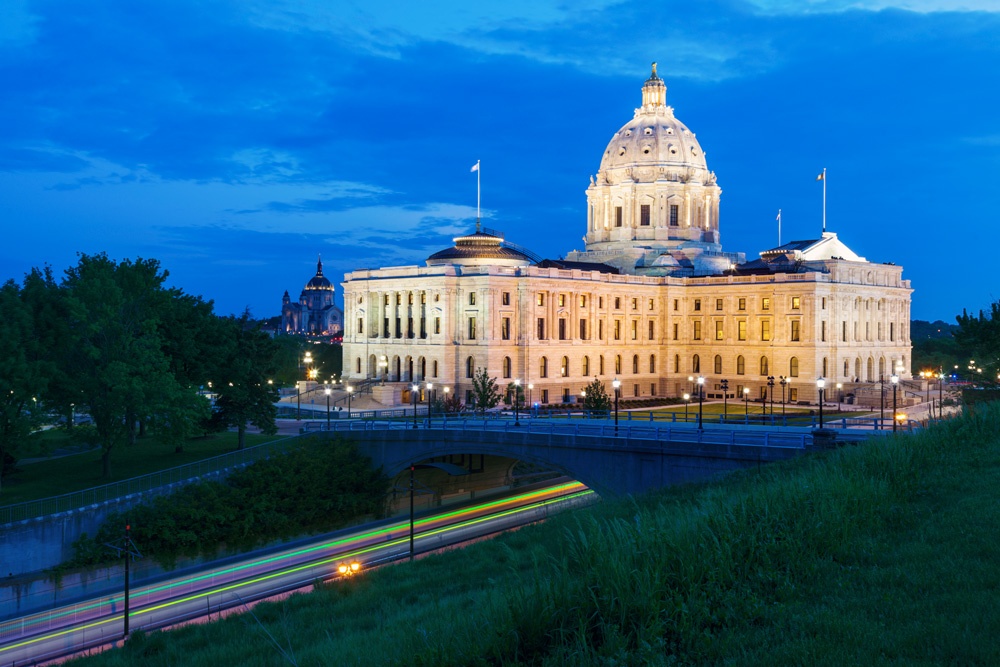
x=824, y=200
x=479, y=190
x=779, y=227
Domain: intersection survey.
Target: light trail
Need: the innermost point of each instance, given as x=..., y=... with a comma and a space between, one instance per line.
x=285, y=565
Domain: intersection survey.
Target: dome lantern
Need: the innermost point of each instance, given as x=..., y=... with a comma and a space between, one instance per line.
x=654, y=92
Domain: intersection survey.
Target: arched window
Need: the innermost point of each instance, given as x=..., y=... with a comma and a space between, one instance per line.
x=741, y=365
x=618, y=364
x=543, y=367
x=652, y=363
x=423, y=368
x=696, y=364
x=793, y=367
x=857, y=368
x=564, y=368
x=586, y=366
x=881, y=366
x=718, y=365
x=470, y=369
x=764, y=368
x=635, y=364
x=506, y=367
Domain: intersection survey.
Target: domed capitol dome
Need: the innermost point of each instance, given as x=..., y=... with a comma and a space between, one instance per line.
x=654, y=195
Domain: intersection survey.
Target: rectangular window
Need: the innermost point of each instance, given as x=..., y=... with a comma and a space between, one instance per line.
x=361, y=326
x=505, y=328
x=644, y=215
x=677, y=304
x=718, y=330
x=635, y=329
x=409, y=298
x=618, y=216
x=879, y=331
x=472, y=328
x=505, y=299
x=600, y=329
x=635, y=303
x=796, y=329
x=796, y=303
x=676, y=327
x=697, y=330
x=674, y=209
x=618, y=329
x=822, y=331
x=843, y=331
x=399, y=327
x=765, y=303
x=423, y=297
x=583, y=300
x=562, y=328
x=583, y=329
x=545, y=396
x=618, y=303
x=743, y=303
x=472, y=298
x=892, y=331
x=437, y=325
x=824, y=303
x=793, y=394
x=741, y=330
x=652, y=330
x=387, y=299
x=562, y=300
x=718, y=304
x=765, y=330
x=409, y=327
x=540, y=298
x=541, y=328
x=600, y=302
x=697, y=304
x=651, y=304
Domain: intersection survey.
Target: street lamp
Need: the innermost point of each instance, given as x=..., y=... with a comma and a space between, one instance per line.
x=770, y=386
x=820, y=384
x=701, y=397
x=414, y=390
x=687, y=402
x=725, y=398
x=430, y=386
x=350, y=392
x=746, y=403
x=840, y=395
x=349, y=569
x=782, y=382
x=881, y=399
x=616, y=383
x=530, y=387
x=894, y=379
x=517, y=392
x=327, y=392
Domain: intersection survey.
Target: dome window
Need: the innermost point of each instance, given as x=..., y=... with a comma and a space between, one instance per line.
x=622, y=151
x=648, y=130
x=646, y=149
x=694, y=151
x=670, y=130
x=628, y=133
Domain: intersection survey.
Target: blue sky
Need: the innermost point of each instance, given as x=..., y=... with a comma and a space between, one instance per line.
x=235, y=141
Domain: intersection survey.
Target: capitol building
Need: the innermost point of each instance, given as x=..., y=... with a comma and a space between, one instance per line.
x=653, y=300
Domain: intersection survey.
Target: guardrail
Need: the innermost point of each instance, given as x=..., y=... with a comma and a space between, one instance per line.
x=99, y=494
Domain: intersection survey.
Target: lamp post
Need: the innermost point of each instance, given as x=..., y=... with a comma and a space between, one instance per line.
x=701, y=397
x=746, y=403
x=770, y=388
x=530, y=387
x=517, y=397
x=327, y=392
x=616, y=383
x=881, y=399
x=820, y=384
x=350, y=392
x=444, y=412
x=782, y=382
x=414, y=389
x=840, y=395
x=725, y=398
x=687, y=402
x=430, y=386
x=894, y=379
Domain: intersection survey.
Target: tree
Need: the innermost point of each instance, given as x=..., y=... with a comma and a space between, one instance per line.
x=980, y=337
x=596, y=398
x=244, y=393
x=24, y=374
x=451, y=404
x=485, y=392
x=118, y=364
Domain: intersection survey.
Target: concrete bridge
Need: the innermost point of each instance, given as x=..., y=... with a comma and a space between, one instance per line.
x=637, y=459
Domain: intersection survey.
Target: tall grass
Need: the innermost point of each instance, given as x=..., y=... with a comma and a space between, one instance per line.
x=881, y=553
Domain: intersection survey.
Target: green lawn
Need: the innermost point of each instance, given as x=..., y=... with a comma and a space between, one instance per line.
x=880, y=554
x=65, y=474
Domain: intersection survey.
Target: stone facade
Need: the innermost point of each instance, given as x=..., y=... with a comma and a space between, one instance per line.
x=315, y=312
x=651, y=304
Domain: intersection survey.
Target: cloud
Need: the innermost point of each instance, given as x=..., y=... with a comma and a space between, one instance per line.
x=836, y=6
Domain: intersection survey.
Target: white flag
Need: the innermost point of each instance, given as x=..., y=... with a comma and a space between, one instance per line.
x=475, y=167
x=821, y=177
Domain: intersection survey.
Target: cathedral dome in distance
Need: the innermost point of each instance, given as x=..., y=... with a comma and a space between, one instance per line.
x=319, y=281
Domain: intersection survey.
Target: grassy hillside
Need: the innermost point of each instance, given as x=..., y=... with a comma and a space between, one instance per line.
x=886, y=553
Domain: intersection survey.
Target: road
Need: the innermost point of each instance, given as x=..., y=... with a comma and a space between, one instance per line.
x=99, y=621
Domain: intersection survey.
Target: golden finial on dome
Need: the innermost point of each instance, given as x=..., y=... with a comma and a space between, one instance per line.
x=654, y=68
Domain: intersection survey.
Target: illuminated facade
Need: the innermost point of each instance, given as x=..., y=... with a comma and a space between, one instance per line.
x=315, y=312
x=652, y=300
